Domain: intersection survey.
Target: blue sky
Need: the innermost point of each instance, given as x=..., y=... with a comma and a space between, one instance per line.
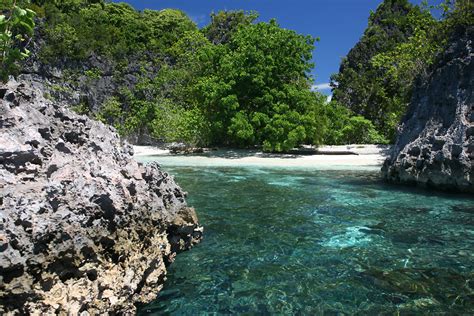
x=338, y=23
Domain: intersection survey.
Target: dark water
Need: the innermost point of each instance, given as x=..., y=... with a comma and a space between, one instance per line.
x=320, y=242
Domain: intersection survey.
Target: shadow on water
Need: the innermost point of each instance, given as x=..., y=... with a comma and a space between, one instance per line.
x=373, y=179
x=244, y=153
x=238, y=154
x=230, y=154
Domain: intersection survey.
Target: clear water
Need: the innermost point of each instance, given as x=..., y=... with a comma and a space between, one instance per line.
x=294, y=241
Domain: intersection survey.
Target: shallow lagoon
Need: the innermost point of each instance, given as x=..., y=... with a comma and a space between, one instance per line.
x=307, y=241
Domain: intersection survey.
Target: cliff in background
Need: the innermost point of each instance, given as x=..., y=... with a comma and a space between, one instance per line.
x=368, y=89
x=83, y=226
x=435, y=145
x=84, y=86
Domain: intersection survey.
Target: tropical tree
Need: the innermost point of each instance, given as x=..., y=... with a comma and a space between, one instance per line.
x=259, y=93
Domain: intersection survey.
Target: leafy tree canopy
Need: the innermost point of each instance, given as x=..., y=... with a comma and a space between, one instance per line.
x=260, y=93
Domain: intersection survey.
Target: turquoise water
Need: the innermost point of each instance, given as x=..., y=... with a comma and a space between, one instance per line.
x=282, y=241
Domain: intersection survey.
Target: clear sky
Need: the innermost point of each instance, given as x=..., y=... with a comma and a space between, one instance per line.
x=338, y=23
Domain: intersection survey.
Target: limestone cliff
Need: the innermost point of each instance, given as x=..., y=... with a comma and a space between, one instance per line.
x=84, y=228
x=435, y=146
x=86, y=84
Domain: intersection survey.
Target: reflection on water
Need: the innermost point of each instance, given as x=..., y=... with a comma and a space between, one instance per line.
x=289, y=241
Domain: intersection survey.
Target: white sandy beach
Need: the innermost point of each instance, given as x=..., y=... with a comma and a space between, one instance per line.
x=368, y=156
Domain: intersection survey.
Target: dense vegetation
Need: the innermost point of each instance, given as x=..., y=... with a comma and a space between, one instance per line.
x=238, y=82
x=235, y=82
x=399, y=45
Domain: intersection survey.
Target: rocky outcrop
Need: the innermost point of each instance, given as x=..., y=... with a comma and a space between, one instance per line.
x=84, y=229
x=435, y=146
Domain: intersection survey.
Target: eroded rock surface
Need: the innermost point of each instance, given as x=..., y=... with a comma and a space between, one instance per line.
x=435, y=147
x=83, y=227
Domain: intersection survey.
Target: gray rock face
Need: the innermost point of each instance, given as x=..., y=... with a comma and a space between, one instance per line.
x=84, y=229
x=89, y=83
x=435, y=147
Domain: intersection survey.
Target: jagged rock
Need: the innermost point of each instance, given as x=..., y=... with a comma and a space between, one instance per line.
x=84, y=228
x=435, y=146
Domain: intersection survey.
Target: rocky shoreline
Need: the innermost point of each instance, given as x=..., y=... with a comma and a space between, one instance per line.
x=84, y=228
x=435, y=146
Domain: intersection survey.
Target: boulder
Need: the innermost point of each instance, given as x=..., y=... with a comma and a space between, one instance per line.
x=84, y=228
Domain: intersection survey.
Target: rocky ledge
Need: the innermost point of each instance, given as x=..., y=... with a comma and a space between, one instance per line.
x=435, y=147
x=84, y=228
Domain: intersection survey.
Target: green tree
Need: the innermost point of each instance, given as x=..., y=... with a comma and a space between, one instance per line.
x=259, y=93
x=16, y=29
x=344, y=127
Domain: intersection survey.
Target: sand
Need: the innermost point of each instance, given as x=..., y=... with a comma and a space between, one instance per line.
x=369, y=157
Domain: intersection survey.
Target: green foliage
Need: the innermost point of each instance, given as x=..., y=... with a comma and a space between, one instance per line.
x=68, y=6
x=75, y=29
x=173, y=123
x=259, y=93
x=225, y=23
x=60, y=88
x=458, y=14
x=346, y=128
x=93, y=73
x=412, y=57
x=359, y=130
x=400, y=45
x=203, y=96
x=39, y=10
x=166, y=27
x=111, y=113
x=81, y=109
x=375, y=79
x=16, y=28
x=65, y=37
x=232, y=83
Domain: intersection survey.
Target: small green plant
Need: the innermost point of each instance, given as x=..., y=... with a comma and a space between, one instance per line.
x=60, y=88
x=16, y=29
x=48, y=96
x=111, y=113
x=94, y=73
x=81, y=108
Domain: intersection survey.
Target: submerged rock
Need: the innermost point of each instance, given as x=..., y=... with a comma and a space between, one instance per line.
x=83, y=226
x=423, y=288
x=435, y=146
